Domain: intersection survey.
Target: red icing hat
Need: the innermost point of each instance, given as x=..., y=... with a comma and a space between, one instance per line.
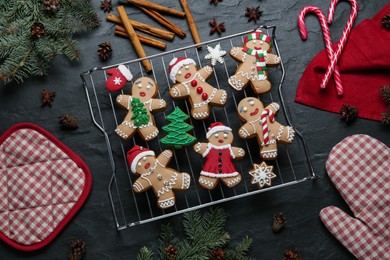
x=364, y=66
x=176, y=64
x=135, y=154
x=216, y=127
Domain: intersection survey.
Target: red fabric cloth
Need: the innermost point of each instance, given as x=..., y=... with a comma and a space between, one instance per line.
x=364, y=66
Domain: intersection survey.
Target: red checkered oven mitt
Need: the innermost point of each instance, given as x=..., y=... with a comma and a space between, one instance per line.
x=359, y=167
x=42, y=186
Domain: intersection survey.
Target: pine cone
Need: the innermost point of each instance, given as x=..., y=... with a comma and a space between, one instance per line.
x=291, y=254
x=68, y=122
x=78, y=248
x=105, y=50
x=386, y=22
x=278, y=222
x=348, y=113
x=52, y=6
x=171, y=252
x=37, y=30
x=386, y=118
x=385, y=93
x=217, y=254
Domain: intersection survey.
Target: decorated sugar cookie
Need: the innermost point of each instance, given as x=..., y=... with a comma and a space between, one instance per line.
x=177, y=130
x=261, y=123
x=215, y=54
x=154, y=174
x=219, y=154
x=255, y=57
x=191, y=84
x=262, y=174
x=140, y=104
x=119, y=77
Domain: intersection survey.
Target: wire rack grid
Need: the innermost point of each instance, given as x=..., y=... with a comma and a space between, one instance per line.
x=292, y=166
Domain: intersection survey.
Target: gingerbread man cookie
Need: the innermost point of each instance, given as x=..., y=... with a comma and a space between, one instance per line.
x=254, y=58
x=260, y=123
x=154, y=174
x=219, y=154
x=140, y=104
x=191, y=84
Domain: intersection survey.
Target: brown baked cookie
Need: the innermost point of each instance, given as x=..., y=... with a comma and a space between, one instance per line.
x=154, y=174
x=219, y=154
x=255, y=57
x=140, y=104
x=260, y=123
x=191, y=84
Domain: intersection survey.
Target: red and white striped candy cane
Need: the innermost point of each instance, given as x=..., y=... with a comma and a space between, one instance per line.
x=343, y=39
x=263, y=119
x=326, y=33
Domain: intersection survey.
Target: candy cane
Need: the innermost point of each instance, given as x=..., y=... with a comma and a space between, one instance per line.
x=328, y=40
x=343, y=38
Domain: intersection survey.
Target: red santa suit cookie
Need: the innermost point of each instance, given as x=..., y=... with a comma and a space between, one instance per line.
x=219, y=154
x=154, y=174
x=191, y=84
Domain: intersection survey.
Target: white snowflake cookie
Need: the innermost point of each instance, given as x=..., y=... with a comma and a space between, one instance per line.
x=215, y=54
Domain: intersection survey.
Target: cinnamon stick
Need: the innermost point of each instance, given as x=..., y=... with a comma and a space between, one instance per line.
x=133, y=38
x=164, y=21
x=157, y=7
x=146, y=28
x=120, y=31
x=191, y=22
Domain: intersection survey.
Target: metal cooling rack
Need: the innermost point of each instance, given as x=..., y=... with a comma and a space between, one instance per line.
x=292, y=166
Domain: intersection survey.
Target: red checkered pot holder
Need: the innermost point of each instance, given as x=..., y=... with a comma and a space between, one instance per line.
x=359, y=167
x=42, y=185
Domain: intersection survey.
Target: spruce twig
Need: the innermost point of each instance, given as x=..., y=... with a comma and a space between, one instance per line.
x=240, y=251
x=145, y=254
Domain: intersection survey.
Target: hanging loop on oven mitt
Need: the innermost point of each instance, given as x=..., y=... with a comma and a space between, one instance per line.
x=359, y=167
x=42, y=186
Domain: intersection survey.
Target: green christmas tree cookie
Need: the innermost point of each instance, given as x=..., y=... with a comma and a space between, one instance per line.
x=177, y=130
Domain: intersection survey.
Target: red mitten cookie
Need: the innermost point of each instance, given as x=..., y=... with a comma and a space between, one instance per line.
x=118, y=79
x=359, y=167
x=42, y=186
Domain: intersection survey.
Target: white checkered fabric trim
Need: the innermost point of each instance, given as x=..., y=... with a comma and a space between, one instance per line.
x=39, y=185
x=359, y=167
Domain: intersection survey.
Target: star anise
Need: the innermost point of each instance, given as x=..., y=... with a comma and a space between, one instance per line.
x=253, y=13
x=106, y=5
x=217, y=27
x=215, y=2
x=47, y=97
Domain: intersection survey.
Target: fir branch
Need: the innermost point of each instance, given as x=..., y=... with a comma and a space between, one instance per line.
x=239, y=252
x=145, y=254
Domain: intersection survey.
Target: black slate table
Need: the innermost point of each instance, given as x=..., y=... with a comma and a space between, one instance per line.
x=251, y=216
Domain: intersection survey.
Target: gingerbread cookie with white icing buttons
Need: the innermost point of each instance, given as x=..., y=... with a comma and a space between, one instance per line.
x=260, y=123
x=140, y=104
x=219, y=154
x=255, y=58
x=191, y=84
x=154, y=174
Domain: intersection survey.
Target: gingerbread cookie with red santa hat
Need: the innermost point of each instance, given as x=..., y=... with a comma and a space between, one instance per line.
x=219, y=154
x=255, y=58
x=154, y=174
x=191, y=84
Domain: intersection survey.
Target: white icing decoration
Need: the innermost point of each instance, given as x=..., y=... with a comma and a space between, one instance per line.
x=262, y=174
x=117, y=81
x=215, y=54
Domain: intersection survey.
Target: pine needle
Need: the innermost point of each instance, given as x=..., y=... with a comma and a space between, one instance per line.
x=145, y=254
